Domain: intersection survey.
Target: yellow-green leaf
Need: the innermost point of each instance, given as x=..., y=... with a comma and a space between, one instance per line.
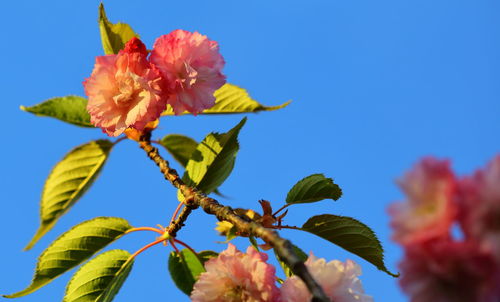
x=100, y=279
x=351, y=235
x=231, y=99
x=113, y=36
x=213, y=160
x=74, y=247
x=70, y=109
x=68, y=181
x=181, y=147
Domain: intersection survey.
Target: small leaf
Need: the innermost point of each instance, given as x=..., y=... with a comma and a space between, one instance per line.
x=206, y=255
x=254, y=243
x=313, y=188
x=100, y=279
x=70, y=109
x=349, y=234
x=181, y=147
x=184, y=269
x=113, y=36
x=231, y=99
x=213, y=160
x=68, y=181
x=74, y=247
x=286, y=269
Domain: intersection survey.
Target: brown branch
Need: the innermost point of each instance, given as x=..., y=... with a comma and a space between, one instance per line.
x=195, y=198
x=178, y=223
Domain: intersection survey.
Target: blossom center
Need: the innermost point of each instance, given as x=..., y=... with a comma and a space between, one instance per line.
x=187, y=76
x=128, y=88
x=237, y=294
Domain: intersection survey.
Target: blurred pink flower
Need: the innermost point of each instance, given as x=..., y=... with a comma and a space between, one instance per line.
x=237, y=277
x=448, y=271
x=339, y=281
x=479, y=200
x=192, y=65
x=428, y=211
x=124, y=90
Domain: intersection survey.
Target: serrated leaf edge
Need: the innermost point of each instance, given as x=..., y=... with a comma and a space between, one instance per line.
x=42, y=230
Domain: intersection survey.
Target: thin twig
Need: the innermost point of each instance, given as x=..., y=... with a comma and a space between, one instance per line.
x=177, y=224
x=279, y=227
x=195, y=198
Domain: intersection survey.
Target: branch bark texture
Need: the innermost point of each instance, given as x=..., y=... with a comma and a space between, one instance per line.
x=194, y=198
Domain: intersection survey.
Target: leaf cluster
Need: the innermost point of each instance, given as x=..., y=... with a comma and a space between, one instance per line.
x=207, y=165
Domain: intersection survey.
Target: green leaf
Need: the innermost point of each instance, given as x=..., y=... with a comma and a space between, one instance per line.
x=100, y=279
x=70, y=109
x=74, y=247
x=286, y=269
x=113, y=36
x=206, y=255
x=231, y=99
x=313, y=188
x=254, y=243
x=181, y=147
x=68, y=181
x=213, y=160
x=351, y=235
x=185, y=269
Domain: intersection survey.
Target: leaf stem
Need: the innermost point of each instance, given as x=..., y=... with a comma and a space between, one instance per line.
x=144, y=229
x=185, y=245
x=157, y=241
x=279, y=227
x=176, y=212
x=172, y=242
x=119, y=140
x=194, y=198
x=281, y=209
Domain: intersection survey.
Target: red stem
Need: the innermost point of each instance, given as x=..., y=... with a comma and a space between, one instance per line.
x=172, y=242
x=176, y=212
x=185, y=245
x=281, y=209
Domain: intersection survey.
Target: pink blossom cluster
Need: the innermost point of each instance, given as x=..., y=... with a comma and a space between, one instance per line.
x=449, y=228
x=235, y=276
x=132, y=88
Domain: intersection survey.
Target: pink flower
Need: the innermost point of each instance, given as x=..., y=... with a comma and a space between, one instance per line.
x=479, y=200
x=428, y=211
x=339, y=281
x=192, y=65
x=447, y=271
x=124, y=90
x=237, y=277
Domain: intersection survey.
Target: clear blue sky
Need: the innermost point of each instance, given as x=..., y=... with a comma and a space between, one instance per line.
x=375, y=86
